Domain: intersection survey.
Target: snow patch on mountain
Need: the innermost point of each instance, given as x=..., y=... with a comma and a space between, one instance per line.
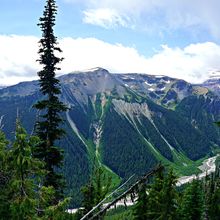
x=151, y=89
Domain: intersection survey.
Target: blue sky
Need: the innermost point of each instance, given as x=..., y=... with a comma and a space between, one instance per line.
x=180, y=38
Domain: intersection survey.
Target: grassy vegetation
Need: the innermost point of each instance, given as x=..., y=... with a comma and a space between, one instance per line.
x=115, y=179
x=182, y=166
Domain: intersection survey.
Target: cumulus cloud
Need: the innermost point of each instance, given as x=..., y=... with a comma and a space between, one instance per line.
x=17, y=58
x=193, y=63
x=105, y=17
x=160, y=14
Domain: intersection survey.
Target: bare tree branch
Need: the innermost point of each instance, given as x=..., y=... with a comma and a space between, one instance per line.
x=123, y=195
x=99, y=204
x=128, y=191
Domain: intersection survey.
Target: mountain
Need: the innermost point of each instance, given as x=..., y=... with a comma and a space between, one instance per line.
x=213, y=83
x=127, y=123
x=1, y=86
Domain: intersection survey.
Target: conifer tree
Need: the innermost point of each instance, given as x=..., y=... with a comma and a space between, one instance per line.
x=88, y=197
x=214, y=208
x=48, y=126
x=5, y=176
x=213, y=196
x=162, y=198
x=96, y=190
x=155, y=196
x=169, y=197
x=3, y=158
x=192, y=205
x=101, y=184
x=25, y=169
x=140, y=208
x=22, y=195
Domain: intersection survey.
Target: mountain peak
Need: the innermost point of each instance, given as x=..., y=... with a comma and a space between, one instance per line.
x=92, y=70
x=215, y=75
x=214, y=78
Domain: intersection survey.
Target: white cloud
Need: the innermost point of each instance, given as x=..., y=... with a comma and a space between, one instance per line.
x=192, y=63
x=17, y=58
x=161, y=14
x=105, y=17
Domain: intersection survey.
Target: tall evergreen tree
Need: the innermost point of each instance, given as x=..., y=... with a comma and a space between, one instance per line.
x=214, y=211
x=101, y=183
x=3, y=156
x=169, y=197
x=140, y=208
x=5, y=176
x=22, y=195
x=192, y=205
x=23, y=185
x=88, y=197
x=48, y=125
x=162, y=198
x=155, y=196
x=96, y=190
x=213, y=195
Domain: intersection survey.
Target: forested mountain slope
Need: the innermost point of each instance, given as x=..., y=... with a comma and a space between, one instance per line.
x=126, y=122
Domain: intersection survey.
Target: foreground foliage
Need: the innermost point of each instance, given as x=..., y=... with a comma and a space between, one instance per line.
x=163, y=200
x=22, y=195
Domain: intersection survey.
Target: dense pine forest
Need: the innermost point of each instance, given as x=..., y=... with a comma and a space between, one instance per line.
x=32, y=184
x=23, y=195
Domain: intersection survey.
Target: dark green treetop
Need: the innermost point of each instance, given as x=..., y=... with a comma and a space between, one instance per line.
x=192, y=204
x=140, y=208
x=95, y=191
x=24, y=167
x=155, y=196
x=5, y=175
x=48, y=125
x=169, y=197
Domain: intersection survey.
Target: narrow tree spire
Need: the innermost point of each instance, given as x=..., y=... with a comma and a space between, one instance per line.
x=48, y=125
